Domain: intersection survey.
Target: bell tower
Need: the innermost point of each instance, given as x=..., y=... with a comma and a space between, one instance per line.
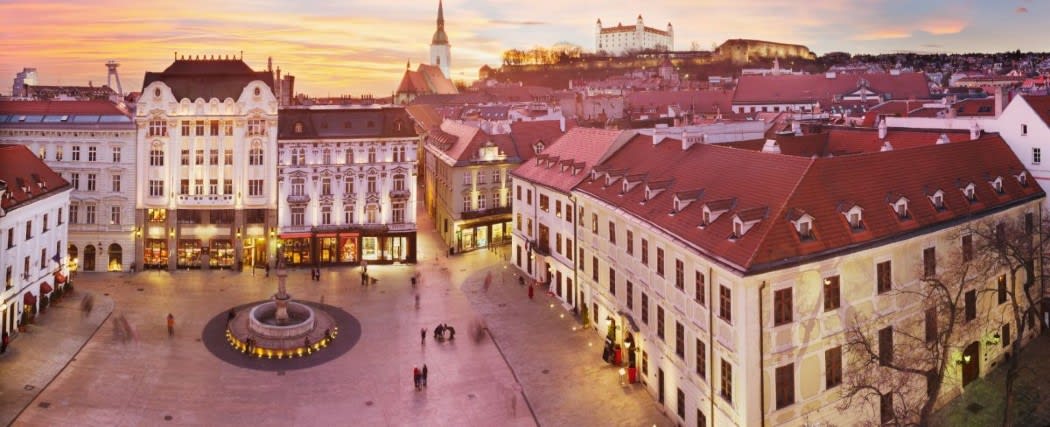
x=440, y=50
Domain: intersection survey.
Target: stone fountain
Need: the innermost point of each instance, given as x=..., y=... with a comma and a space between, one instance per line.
x=281, y=327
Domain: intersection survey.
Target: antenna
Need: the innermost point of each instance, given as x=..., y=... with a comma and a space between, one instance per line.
x=112, y=66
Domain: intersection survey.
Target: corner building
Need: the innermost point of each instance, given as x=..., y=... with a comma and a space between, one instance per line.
x=347, y=185
x=207, y=150
x=729, y=277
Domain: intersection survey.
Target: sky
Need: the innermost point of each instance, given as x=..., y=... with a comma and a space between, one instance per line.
x=360, y=47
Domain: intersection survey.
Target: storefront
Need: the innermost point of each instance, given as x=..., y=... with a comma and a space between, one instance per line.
x=347, y=248
x=483, y=235
x=156, y=253
x=297, y=249
x=189, y=253
x=221, y=254
x=328, y=248
x=348, y=244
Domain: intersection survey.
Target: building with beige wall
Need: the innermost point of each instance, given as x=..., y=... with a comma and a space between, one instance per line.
x=730, y=277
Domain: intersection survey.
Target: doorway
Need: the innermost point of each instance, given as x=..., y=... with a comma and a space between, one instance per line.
x=971, y=363
x=89, y=258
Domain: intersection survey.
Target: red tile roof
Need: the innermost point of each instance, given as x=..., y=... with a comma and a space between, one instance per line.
x=20, y=168
x=427, y=79
x=583, y=147
x=1041, y=106
x=457, y=140
x=101, y=108
x=788, y=186
x=700, y=101
x=525, y=135
x=791, y=89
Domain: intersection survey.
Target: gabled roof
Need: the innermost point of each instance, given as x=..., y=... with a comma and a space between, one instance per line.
x=746, y=182
x=208, y=78
x=584, y=146
x=809, y=88
x=842, y=141
x=427, y=79
x=1041, y=106
x=18, y=168
x=459, y=141
x=525, y=135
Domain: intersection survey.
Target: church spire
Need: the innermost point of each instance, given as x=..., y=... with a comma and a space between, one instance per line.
x=440, y=37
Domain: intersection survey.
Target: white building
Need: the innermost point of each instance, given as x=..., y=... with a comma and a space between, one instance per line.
x=728, y=277
x=631, y=38
x=34, y=202
x=207, y=150
x=92, y=145
x=347, y=185
x=544, y=210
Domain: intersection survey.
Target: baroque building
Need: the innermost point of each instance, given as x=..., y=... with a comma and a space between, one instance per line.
x=34, y=202
x=726, y=278
x=207, y=150
x=92, y=145
x=347, y=185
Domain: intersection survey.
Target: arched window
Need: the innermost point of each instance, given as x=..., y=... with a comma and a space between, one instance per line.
x=258, y=91
x=115, y=256
x=255, y=156
x=399, y=182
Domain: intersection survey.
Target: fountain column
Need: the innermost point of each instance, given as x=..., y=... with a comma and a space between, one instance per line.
x=281, y=297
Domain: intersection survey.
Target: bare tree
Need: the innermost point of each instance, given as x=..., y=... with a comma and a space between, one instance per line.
x=1018, y=246
x=912, y=367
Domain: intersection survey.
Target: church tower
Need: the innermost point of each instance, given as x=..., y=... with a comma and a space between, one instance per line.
x=440, y=50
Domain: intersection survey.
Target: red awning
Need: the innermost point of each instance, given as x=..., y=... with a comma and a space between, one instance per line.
x=326, y=235
x=29, y=299
x=45, y=288
x=59, y=278
x=295, y=236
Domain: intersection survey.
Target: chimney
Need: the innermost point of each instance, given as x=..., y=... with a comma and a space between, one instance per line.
x=882, y=129
x=561, y=123
x=895, y=72
x=771, y=146
x=975, y=131
x=998, y=101
x=943, y=139
x=886, y=146
x=796, y=127
x=830, y=75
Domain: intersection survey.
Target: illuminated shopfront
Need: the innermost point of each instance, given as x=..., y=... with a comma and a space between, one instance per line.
x=188, y=254
x=221, y=254
x=482, y=235
x=347, y=248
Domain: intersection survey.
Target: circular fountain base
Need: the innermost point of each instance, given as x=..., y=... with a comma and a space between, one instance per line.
x=306, y=331
x=262, y=321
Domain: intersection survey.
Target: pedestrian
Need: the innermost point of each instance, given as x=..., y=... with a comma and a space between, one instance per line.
x=4, y=342
x=416, y=376
x=306, y=342
x=267, y=269
x=422, y=335
x=451, y=333
x=424, y=375
x=531, y=291
x=364, y=278
x=488, y=281
x=171, y=325
x=253, y=270
x=417, y=300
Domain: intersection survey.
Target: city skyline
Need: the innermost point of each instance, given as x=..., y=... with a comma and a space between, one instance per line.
x=337, y=49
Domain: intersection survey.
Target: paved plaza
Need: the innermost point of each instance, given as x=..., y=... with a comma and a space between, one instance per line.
x=530, y=368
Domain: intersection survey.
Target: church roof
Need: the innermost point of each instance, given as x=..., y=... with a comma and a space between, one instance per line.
x=427, y=79
x=439, y=36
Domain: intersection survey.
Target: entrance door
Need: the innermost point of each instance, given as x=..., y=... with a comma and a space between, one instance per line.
x=89, y=258
x=660, y=383
x=971, y=363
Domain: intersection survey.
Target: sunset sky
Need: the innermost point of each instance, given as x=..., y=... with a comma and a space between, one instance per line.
x=357, y=46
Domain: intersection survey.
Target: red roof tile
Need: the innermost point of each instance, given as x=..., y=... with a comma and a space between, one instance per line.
x=747, y=182
x=789, y=89
x=584, y=146
x=20, y=168
x=699, y=101
x=1041, y=106
x=525, y=135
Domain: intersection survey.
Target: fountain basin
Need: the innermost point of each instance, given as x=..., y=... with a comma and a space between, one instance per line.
x=262, y=321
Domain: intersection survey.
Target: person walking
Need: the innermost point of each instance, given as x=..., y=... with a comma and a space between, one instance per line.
x=422, y=335
x=416, y=376
x=267, y=269
x=531, y=291
x=424, y=375
x=171, y=325
x=4, y=342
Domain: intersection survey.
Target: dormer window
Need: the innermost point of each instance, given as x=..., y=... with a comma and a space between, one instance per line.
x=970, y=193
x=803, y=223
x=1022, y=179
x=901, y=207
x=624, y=188
x=538, y=147
x=738, y=229
x=298, y=127
x=997, y=184
x=258, y=92
x=937, y=199
x=854, y=216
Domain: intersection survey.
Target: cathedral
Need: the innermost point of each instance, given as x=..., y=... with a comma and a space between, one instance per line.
x=434, y=78
x=440, y=50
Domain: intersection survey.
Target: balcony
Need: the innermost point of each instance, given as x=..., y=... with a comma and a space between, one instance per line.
x=400, y=194
x=486, y=212
x=298, y=198
x=544, y=250
x=204, y=200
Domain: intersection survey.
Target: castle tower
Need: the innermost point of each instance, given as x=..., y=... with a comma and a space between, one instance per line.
x=440, y=50
x=598, y=36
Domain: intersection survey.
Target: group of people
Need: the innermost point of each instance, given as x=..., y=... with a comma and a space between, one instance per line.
x=439, y=332
x=315, y=274
x=420, y=377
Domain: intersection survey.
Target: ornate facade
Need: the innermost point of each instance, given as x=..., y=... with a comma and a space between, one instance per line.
x=347, y=185
x=207, y=150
